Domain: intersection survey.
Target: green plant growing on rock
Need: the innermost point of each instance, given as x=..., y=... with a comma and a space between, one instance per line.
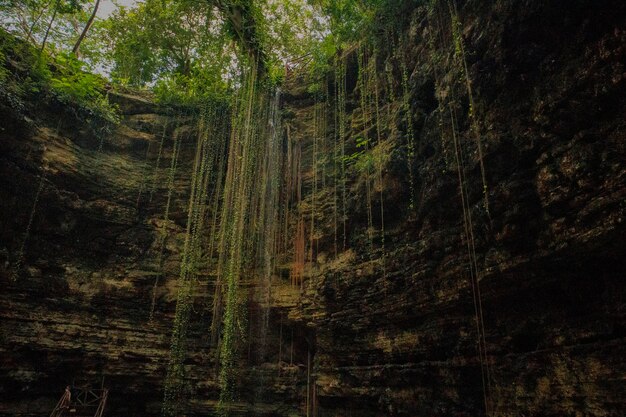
x=436, y=56
x=383, y=161
x=360, y=142
x=188, y=271
x=317, y=134
x=248, y=220
x=62, y=78
x=73, y=84
x=205, y=184
x=367, y=159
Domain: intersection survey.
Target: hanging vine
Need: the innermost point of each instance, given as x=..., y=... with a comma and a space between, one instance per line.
x=408, y=118
x=341, y=97
x=468, y=236
x=189, y=268
x=461, y=61
x=17, y=267
x=31, y=217
x=162, y=236
x=249, y=222
x=374, y=80
x=366, y=157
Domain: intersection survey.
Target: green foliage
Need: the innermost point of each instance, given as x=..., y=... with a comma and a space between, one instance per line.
x=172, y=44
x=4, y=72
x=367, y=158
x=275, y=75
x=71, y=84
x=361, y=145
x=69, y=6
x=10, y=93
x=357, y=21
x=349, y=19
x=160, y=38
x=30, y=69
x=130, y=48
x=190, y=90
x=322, y=54
x=36, y=76
x=57, y=21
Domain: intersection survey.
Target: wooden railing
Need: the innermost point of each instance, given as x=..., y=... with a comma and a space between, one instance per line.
x=84, y=403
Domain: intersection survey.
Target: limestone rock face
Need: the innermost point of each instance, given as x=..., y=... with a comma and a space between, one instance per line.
x=78, y=307
x=384, y=323
x=394, y=320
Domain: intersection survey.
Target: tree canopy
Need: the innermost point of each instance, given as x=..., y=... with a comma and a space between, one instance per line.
x=196, y=48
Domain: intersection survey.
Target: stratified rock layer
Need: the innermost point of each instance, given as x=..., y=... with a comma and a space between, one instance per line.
x=388, y=331
x=78, y=307
x=397, y=335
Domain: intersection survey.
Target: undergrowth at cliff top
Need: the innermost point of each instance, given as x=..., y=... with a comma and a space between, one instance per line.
x=28, y=75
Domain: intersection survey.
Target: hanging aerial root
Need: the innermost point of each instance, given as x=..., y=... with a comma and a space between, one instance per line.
x=460, y=56
x=162, y=234
x=408, y=117
x=20, y=254
x=31, y=217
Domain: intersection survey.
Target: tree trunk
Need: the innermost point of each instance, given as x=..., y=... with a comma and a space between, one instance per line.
x=86, y=29
x=54, y=15
x=29, y=35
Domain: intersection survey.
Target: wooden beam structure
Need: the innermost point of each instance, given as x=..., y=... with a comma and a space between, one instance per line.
x=81, y=402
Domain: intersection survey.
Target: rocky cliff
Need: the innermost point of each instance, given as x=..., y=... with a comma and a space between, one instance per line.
x=384, y=322
x=394, y=320
x=78, y=307
x=84, y=212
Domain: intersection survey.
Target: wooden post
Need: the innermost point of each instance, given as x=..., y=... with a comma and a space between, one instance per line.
x=280, y=343
x=291, y=353
x=308, y=381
